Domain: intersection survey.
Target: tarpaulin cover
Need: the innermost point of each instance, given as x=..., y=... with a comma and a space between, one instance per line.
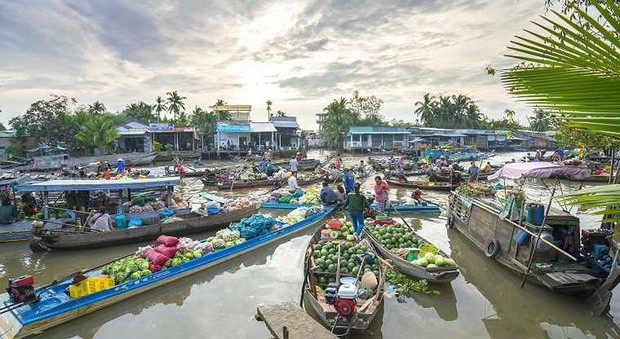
x=520, y=170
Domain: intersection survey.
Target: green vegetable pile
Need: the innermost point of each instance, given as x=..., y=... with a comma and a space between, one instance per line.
x=225, y=238
x=431, y=260
x=182, y=257
x=395, y=236
x=406, y=286
x=126, y=269
x=325, y=255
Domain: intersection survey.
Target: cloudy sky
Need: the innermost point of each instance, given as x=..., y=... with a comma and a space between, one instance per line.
x=300, y=54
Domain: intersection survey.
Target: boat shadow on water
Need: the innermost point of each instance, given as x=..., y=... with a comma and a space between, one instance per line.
x=90, y=326
x=531, y=312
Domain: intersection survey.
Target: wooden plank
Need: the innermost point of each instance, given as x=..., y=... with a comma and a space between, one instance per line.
x=214, y=197
x=297, y=322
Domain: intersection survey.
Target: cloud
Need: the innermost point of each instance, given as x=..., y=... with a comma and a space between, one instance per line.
x=301, y=54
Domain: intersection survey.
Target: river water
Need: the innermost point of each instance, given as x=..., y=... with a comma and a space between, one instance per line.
x=485, y=301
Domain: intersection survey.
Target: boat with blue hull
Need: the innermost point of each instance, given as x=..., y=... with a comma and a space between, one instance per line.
x=54, y=306
x=425, y=207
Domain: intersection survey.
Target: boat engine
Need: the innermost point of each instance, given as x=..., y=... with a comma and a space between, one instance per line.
x=345, y=302
x=21, y=289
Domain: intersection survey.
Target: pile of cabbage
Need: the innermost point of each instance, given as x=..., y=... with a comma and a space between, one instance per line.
x=253, y=226
x=126, y=269
x=294, y=216
x=311, y=197
x=431, y=260
x=225, y=238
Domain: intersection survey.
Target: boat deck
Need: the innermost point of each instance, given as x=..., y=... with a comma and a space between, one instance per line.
x=291, y=319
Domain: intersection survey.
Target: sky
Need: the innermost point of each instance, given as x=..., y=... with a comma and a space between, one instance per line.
x=301, y=55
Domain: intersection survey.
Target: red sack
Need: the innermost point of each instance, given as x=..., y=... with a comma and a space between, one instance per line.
x=167, y=240
x=334, y=223
x=155, y=268
x=165, y=250
x=155, y=257
x=384, y=222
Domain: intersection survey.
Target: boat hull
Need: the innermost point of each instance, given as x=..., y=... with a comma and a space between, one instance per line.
x=423, y=186
x=79, y=307
x=75, y=241
x=22, y=230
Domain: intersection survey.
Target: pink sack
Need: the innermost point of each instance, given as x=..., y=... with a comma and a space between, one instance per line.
x=155, y=257
x=154, y=268
x=165, y=250
x=167, y=240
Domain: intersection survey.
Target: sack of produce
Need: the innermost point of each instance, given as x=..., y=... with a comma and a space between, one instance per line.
x=165, y=213
x=155, y=267
x=369, y=280
x=167, y=240
x=165, y=250
x=155, y=257
x=134, y=222
x=285, y=199
x=334, y=223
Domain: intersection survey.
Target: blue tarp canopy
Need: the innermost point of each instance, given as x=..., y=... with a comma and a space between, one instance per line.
x=95, y=185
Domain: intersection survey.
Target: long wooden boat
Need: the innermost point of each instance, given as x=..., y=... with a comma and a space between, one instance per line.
x=72, y=239
x=420, y=208
x=303, y=165
x=424, y=185
x=591, y=178
x=314, y=299
x=433, y=274
x=264, y=183
x=55, y=307
x=465, y=176
x=553, y=245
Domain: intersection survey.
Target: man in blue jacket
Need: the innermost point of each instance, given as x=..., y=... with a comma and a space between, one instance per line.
x=349, y=180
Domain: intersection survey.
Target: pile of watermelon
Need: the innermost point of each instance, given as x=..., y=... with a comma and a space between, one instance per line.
x=395, y=236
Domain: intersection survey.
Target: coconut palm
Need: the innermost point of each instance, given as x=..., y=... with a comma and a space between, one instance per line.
x=160, y=106
x=337, y=120
x=541, y=121
x=426, y=109
x=175, y=103
x=269, y=103
x=96, y=107
x=97, y=132
x=575, y=69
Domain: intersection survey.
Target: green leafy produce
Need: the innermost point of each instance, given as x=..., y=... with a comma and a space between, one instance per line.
x=406, y=286
x=125, y=269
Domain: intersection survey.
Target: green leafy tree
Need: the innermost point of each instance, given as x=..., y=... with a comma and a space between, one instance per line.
x=159, y=107
x=223, y=115
x=175, y=103
x=280, y=113
x=456, y=111
x=97, y=107
x=204, y=122
x=541, y=121
x=367, y=108
x=269, y=103
x=46, y=121
x=337, y=121
x=138, y=111
x=98, y=132
x=425, y=109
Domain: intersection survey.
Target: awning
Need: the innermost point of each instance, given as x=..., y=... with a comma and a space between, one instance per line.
x=95, y=185
x=262, y=127
x=520, y=170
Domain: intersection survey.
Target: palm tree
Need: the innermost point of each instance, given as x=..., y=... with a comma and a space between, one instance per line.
x=472, y=114
x=97, y=132
x=426, y=109
x=160, y=106
x=281, y=113
x=96, y=108
x=337, y=120
x=576, y=71
x=269, y=103
x=175, y=103
x=541, y=121
x=221, y=115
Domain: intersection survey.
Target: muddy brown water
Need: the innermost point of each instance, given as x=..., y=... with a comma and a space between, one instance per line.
x=485, y=301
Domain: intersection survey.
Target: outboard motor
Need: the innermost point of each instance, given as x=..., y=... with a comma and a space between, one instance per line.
x=21, y=289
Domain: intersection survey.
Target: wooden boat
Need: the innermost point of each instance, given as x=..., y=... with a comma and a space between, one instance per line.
x=434, y=274
x=56, y=307
x=591, y=178
x=502, y=234
x=315, y=302
x=464, y=176
x=412, y=208
x=423, y=185
x=264, y=183
x=303, y=165
x=72, y=239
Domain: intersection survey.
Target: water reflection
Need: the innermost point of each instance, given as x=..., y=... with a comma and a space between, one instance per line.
x=530, y=312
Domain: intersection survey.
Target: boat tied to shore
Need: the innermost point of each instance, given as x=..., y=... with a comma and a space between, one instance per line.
x=545, y=245
x=29, y=310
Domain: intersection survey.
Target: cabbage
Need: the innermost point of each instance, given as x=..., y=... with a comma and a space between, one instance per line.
x=431, y=266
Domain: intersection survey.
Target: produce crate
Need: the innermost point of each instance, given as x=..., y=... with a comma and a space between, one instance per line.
x=90, y=285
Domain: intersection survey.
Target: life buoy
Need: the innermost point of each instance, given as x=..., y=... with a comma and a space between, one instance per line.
x=492, y=249
x=450, y=222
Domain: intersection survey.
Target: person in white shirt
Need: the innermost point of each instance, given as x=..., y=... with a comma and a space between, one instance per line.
x=293, y=163
x=292, y=183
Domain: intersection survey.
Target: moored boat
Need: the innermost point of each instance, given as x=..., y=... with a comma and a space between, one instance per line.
x=334, y=289
x=53, y=306
x=230, y=185
x=546, y=245
x=433, y=267
x=424, y=185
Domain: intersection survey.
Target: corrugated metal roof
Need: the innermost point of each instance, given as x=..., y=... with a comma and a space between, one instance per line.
x=284, y=122
x=95, y=185
x=260, y=127
x=377, y=130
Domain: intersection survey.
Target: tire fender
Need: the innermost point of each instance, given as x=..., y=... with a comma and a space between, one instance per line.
x=450, y=222
x=492, y=249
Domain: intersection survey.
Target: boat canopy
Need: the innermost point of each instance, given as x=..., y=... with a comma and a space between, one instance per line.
x=520, y=170
x=12, y=181
x=95, y=185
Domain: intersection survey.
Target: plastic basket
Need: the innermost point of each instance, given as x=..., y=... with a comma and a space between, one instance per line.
x=427, y=248
x=90, y=285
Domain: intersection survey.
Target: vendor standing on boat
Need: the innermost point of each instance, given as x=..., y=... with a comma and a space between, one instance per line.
x=381, y=193
x=293, y=164
x=327, y=196
x=338, y=162
x=100, y=221
x=120, y=166
x=349, y=180
x=473, y=172
x=361, y=170
x=356, y=203
x=486, y=167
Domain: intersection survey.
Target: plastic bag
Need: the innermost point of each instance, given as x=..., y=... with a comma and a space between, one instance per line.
x=167, y=240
